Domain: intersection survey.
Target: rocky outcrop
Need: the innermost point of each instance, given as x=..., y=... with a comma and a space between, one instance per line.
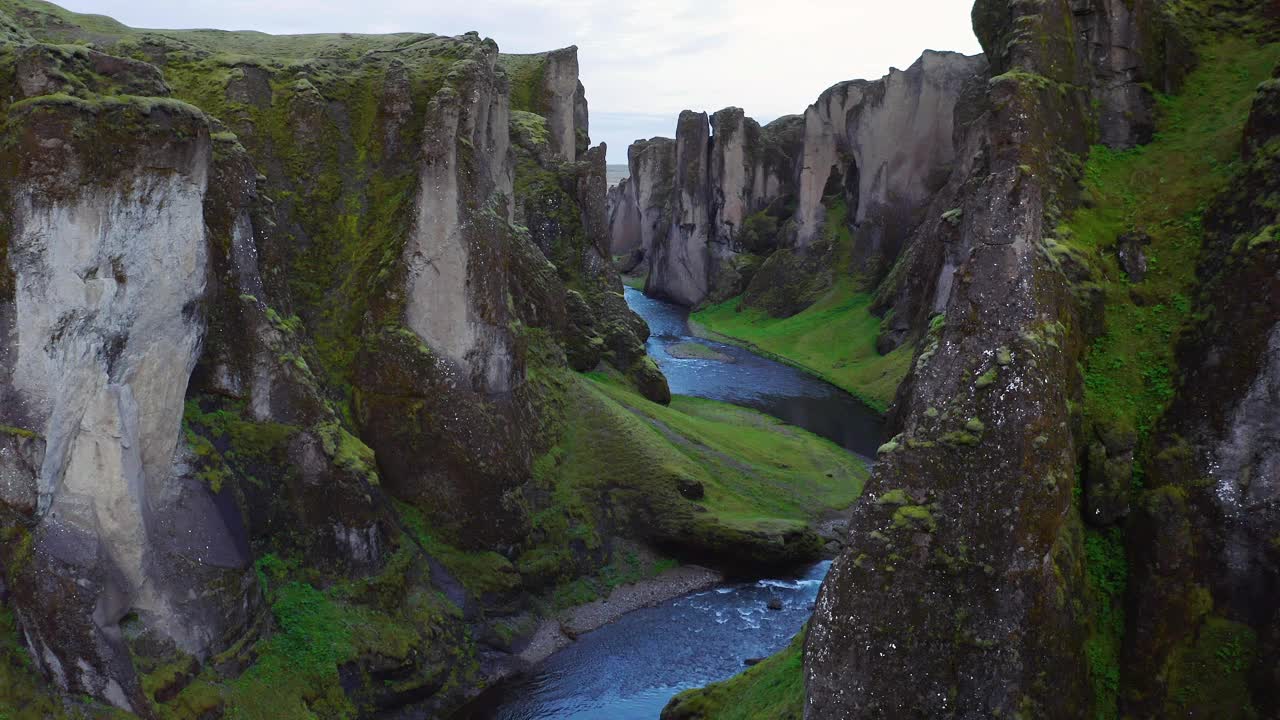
x=624, y=224
x=640, y=207
x=456, y=304
x=1206, y=559
x=887, y=146
x=1007, y=312
x=106, y=279
x=883, y=148
x=681, y=262
x=547, y=84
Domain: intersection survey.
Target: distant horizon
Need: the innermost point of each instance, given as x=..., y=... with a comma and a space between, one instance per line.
x=641, y=66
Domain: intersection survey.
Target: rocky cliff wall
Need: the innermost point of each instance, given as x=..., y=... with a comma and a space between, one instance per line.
x=281, y=339
x=979, y=608
x=885, y=147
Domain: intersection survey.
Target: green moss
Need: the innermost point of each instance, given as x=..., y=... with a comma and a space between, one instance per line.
x=1210, y=677
x=530, y=127
x=348, y=452
x=528, y=87
x=896, y=496
x=988, y=377
x=1159, y=189
x=24, y=695
x=226, y=445
x=298, y=667
x=1106, y=573
x=480, y=572
x=771, y=690
x=914, y=517
x=17, y=432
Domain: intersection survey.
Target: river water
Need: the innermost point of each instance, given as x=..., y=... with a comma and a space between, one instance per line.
x=631, y=668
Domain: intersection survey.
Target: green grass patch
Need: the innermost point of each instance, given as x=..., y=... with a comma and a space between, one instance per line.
x=772, y=690
x=296, y=672
x=1159, y=189
x=1210, y=677
x=23, y=693
x=621, y=461
x=754, y=467
x=1107, y=575
x=835, y=338
x=480, y=572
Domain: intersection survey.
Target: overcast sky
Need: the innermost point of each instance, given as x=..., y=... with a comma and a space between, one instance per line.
x=642, y=61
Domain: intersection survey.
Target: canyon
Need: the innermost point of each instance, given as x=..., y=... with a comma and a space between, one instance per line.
x=321, y=395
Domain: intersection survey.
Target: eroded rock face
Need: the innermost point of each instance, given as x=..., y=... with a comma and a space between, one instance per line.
x=653, y=166
x=889, y=145
x=682, y=261
x=949, y=507
x=107, y=279
x=456, y=288
x=204, y=311
x=883, y=148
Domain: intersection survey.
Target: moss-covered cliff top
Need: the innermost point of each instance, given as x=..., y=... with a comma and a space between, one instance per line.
x=51, y=23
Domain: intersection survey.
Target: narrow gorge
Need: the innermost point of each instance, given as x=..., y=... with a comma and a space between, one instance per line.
x=337, y=381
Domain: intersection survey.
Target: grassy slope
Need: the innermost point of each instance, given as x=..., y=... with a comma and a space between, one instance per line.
x=835, y=338
x=1160, y=189
x=772, y=690
x=755, y=468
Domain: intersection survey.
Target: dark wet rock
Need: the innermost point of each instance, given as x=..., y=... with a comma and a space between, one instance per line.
x=752, y=662
x=1107, y=474
x=1130, y=251
x=775, y=604
x=890, y=607
x=689, y=488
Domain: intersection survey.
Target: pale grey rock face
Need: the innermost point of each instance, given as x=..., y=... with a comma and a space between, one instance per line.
x=624, y=219
x=566, y=102
x=1246, y=465
x=887, y=146
x=105, y=285
x=653, y=165
x=108, y=281
x=680, y=265
x=444, y=254
x=891, y=139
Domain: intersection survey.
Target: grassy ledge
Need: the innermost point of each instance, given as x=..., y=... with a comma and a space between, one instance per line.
x=772, y=690
x=834, y=339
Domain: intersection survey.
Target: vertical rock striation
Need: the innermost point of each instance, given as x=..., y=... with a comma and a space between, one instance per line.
x=884, y=148
x=109, y=268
